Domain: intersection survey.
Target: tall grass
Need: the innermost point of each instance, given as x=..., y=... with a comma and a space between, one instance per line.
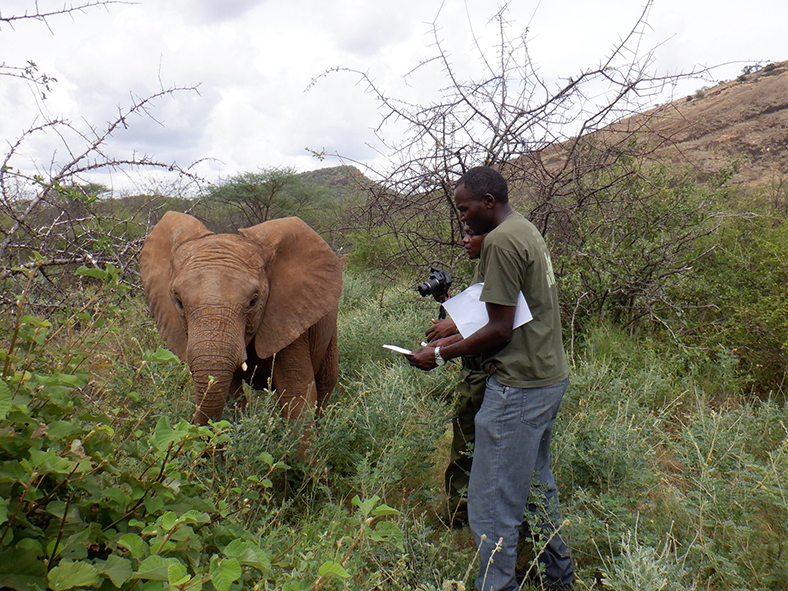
x=669, y=478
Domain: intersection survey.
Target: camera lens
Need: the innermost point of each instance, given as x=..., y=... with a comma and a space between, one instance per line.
x=428, y=287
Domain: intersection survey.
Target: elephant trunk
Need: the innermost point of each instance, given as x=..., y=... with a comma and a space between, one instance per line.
x=214, y=360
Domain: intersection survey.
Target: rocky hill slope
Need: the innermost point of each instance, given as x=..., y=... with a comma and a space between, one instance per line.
x=743, y=121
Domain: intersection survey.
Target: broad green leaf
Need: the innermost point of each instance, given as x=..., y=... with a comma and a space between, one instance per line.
x=36, y=322
x=3, y=510
x=365, y=506
x=167, y=521
x=68, y=575
x=153, y=504
x=384, y=509
x=5, y=399
x=61, y=379
x=332, y=570
x=164, y=434
x=389, y=533
x=224, y=573
x=160, y=355
x=195, y=516
x=155, y=568
x=91, y=272
x=177, y=574
x=48, y=461
x=137, y=547
x=266, y=457
x=20, y=568
x=248, y=554
x=117, y=569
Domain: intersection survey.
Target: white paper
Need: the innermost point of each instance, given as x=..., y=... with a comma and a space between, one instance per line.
x=470, y=313
x=397, y=349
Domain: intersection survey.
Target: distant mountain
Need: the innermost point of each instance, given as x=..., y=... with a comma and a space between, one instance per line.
x=744, y=120
x=343, y=183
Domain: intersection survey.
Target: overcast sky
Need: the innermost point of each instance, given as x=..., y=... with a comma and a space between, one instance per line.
x=253, y=60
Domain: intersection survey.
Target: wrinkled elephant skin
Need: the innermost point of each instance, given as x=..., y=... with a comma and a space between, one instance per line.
x=256, y=305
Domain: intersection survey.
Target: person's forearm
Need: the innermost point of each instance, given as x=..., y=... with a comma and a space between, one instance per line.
x=487, y=338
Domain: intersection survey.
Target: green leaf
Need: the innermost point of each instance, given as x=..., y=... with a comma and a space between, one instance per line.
x=224, y=573
x=195, y=516
x=3, y=510
x=161, y=355
x=389, y=533
x=164, y=434
x=117, y=569
x=333, y=570
x=36, y=322
x=48, y=461
x=91, y=272
x=248, y=554
x=384, y=509
x=68, y=575
x=177, y=574
x=20, y=568
x=153, y=504
x=155, y=568
x=365, y=506
x=266, y=457
x=137, y=547
x=167, y=521
x=5, y=399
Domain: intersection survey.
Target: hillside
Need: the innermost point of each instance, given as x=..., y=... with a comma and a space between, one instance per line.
x=743, y=120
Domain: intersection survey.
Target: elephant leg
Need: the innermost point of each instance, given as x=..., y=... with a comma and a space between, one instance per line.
x=258, y=372
x=327, y=374
x=294, y=379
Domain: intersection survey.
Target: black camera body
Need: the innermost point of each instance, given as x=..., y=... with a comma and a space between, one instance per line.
x=438, y=283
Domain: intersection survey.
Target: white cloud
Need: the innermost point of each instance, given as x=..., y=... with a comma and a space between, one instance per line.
x=253, y=60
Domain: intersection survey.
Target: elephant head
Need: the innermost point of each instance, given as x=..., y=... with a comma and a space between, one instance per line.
x=223, y=302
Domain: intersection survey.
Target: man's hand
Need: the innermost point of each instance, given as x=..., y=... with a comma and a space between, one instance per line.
x=441, y=329
x=423, y=358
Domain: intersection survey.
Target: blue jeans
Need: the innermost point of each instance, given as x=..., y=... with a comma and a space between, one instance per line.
x=512, y=453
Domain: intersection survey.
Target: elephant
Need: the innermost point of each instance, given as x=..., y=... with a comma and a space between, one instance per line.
x=257, y=306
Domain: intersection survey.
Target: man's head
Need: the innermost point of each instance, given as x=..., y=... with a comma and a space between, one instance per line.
x=472, y=243
x=482, y=198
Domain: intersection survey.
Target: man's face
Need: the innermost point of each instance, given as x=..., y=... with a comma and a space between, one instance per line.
x=477, y=214
x=472, y=243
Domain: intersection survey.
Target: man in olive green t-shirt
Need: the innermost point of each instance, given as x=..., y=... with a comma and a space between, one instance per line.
x=528, y=378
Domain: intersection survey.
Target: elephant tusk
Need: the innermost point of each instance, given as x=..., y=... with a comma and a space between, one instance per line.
x=244, y=366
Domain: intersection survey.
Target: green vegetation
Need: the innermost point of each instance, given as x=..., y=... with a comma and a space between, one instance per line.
x=671, y=477
x=671, y=450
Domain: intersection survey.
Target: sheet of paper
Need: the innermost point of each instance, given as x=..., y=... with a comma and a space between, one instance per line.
x=470, y=313
x=397, y=349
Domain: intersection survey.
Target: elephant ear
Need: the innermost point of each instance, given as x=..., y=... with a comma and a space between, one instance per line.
x=156, y=271
x=304, y=281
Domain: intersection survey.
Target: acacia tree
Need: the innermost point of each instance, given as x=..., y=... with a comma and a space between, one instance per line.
x=568, y=149
x=50, y=219
x=259, y=196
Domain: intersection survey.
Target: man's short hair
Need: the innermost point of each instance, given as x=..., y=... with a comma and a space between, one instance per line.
x=481, y=180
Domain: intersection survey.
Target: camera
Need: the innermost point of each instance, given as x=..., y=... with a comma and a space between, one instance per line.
x=438, y=283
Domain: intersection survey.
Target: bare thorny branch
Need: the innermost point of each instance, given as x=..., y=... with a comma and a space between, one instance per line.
x=568, y=147
x=52, y=217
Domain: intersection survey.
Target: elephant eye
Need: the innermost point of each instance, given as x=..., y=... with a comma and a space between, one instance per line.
x=253, y=302
x=178, y=302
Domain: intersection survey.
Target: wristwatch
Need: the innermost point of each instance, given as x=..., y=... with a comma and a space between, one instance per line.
x=438, y=359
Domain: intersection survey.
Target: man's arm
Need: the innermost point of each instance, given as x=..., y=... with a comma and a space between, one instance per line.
x=496, y=333
x=440, y=329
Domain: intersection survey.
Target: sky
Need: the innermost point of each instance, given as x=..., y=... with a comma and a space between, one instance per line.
x=261, y=100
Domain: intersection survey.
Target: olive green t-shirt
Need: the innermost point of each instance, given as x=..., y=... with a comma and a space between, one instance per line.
x=515, y=258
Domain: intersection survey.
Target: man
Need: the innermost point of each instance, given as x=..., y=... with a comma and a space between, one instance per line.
x=470, y=393
x=528, y=378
